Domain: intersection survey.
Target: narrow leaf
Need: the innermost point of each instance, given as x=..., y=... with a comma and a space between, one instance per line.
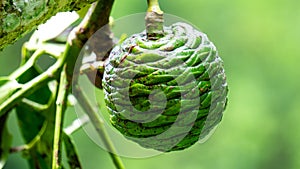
x=5, y=141
x=71, y=152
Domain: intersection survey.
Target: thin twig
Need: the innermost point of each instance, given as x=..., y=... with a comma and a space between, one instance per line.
x=59, y=116
x=32, y=143
x=99, y=126
x=36, y=55
x=34, y=105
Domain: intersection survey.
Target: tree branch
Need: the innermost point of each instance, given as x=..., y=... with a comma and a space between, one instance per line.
x=20, y=17
x=95, y=19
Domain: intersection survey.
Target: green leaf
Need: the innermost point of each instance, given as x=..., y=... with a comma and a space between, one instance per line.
x=5, y=141
x=7, y=88
x=71, y=152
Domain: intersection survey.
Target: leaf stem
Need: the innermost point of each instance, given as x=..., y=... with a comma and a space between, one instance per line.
x=99, y=126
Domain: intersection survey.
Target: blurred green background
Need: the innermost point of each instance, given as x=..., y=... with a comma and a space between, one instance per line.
x=259, y=42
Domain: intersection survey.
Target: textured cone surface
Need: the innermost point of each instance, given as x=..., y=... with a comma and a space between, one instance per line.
x=165, y=94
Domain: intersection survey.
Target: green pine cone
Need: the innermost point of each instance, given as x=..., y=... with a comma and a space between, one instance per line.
x=165, y=94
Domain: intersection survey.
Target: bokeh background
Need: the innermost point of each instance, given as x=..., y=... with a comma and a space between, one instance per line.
x=259, y=42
